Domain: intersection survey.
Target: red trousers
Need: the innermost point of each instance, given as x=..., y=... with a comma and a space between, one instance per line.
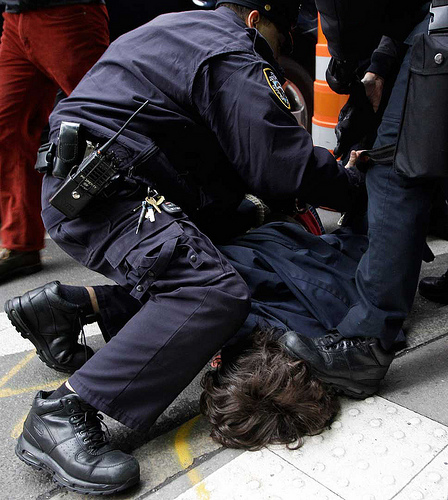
x=40, y=51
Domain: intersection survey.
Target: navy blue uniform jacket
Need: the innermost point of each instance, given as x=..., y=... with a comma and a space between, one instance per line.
x=215, y=111
x=298, y=281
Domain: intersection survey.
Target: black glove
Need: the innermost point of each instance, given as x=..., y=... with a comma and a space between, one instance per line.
x=356, y=120
x=341, y=75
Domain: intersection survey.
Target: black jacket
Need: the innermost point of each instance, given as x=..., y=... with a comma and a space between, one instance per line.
x=354, y=28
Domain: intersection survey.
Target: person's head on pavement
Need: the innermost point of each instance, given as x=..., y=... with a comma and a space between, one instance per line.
x=264, y=396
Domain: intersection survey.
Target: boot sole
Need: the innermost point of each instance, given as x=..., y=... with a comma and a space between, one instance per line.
x=434, y=297
x=13, y=311
x=344, y=387
x=41, y=461
x=21, y=271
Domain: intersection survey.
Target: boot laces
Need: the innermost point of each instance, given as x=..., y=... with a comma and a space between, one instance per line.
x=333, y=340
x=90, y=425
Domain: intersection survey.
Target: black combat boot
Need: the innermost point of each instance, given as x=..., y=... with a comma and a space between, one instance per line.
x=353, y=366
x=64, y=437
x=52, y=324
x=435, y=289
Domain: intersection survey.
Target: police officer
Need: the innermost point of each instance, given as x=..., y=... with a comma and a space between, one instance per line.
x=356, y=356
x=217, y=124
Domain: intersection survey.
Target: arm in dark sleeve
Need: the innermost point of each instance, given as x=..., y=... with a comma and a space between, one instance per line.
x=271, y=153
x=352, y=29
x=386, y=57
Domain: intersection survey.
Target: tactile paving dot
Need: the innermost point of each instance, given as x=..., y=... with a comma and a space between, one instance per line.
x=417, y=495
x=317, y=439
x=380, y=451
x=298, y=483
x=376, y=422
x=343, y=482
x=407, y=463
x=254, y=485
x=440, y=433
x=399, y=435
x=362, y=465
x=358, y=437
x=339, y=452
x=319, y=467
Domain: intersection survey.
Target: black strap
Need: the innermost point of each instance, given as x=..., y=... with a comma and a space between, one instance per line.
x=382, y=156
x=71, y=147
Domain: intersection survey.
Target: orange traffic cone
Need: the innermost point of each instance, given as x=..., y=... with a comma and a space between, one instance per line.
x=327, y=104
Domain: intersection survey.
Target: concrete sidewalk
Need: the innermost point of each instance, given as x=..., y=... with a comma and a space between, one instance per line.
x=391, y=446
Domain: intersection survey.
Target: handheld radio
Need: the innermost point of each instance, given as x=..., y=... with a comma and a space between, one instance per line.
x=90, y=178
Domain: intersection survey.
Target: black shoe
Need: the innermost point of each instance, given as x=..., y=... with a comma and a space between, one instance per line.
x=435, y=289
x=64, y=437
x=52, y=324
x=352, y=366
x=13, y=263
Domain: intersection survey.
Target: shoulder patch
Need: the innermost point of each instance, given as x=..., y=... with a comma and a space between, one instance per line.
x=272, y=79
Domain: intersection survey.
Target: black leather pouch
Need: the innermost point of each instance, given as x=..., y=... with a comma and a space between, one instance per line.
x=422, y=147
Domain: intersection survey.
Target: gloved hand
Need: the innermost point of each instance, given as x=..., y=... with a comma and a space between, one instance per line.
x=341, y=75
x=356, y=120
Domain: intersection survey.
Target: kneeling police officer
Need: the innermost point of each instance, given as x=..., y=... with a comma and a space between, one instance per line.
x=213, y=123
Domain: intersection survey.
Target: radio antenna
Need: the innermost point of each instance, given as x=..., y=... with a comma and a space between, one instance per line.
x=112, y=139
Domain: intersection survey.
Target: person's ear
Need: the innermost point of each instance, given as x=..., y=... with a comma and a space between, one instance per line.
x=253, y=19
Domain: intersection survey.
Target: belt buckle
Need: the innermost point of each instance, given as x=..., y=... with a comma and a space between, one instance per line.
x=438, y=22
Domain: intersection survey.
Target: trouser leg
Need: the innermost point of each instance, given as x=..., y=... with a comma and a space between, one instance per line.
x=192, y=302
x=26, y=99
x=116, y=308
x=140, y=371
x=40, y=51
x=67, y=41
x=398, y=213
x=388, y=272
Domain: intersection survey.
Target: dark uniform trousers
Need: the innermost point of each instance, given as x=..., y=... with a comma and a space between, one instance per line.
x=398, y=213
x=178, y=297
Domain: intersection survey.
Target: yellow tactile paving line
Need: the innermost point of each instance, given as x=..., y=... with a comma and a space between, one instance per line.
x=18, y=427
x=7, y=392
x=4, y=380
x=186, y=458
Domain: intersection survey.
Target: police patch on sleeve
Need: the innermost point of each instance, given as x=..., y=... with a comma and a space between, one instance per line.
x=276, y=87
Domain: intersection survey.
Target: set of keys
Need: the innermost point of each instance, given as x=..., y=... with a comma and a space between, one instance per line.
x=152, y=204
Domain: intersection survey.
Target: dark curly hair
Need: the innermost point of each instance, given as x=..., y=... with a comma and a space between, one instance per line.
x=263, y=396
